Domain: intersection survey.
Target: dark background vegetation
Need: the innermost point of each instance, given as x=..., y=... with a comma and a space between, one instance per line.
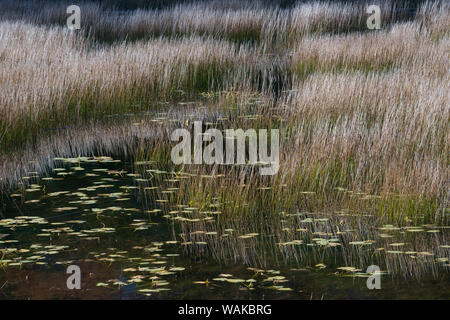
x=160, y=4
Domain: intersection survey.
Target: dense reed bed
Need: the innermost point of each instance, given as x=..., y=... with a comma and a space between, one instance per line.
x=271, y=26
x=53, y=78
x=375, y=103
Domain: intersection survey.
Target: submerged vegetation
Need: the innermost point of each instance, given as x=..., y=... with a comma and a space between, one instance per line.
x=364, y=125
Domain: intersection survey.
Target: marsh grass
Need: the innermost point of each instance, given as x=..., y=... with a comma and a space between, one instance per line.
x=78, y=79
x=214, y=212
x=363, y=118
x=92, y=83
x=227, y=198
x=264, y=23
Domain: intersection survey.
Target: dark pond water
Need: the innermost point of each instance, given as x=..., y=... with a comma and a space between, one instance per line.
x=91, y=214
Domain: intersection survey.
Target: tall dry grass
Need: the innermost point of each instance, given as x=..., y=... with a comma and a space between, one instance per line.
x=379, y=105
x=373, y=122
x=271, y=26
x=362, y=111
x=50, y=76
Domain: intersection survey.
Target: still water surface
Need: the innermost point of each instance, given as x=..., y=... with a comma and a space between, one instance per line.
x=92, y=215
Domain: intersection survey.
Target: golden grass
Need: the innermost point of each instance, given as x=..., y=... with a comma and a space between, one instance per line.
x=361, y=111
x=50, y=77
x=364, y=116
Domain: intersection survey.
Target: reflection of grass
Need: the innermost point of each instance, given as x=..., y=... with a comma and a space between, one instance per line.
x=262, y=220
x=242, y=200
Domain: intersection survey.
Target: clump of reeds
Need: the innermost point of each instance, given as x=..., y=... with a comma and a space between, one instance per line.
x=271, y=26
x=51, y=77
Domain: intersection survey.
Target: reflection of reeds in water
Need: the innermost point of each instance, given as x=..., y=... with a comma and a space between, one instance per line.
x=268, y=239
x=233, y=214
x=248, y=230
x=122, y=136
